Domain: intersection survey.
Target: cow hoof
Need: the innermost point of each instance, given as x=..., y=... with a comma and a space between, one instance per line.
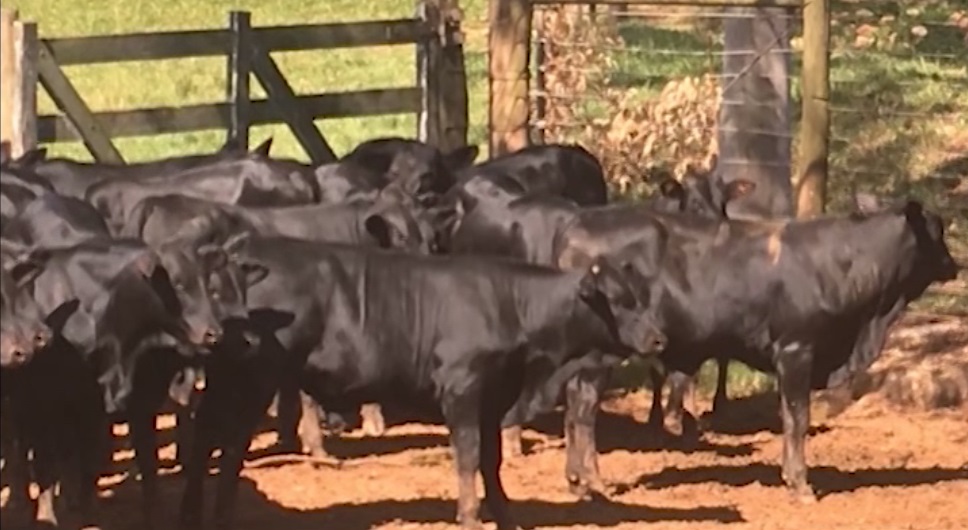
x=805, y=496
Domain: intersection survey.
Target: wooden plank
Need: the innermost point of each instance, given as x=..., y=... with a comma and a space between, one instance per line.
x=811, y=188
x=239, y=74
x=510, y=47
x=8, y=73
x=139, y=46
x=65, y=96
x=190, y=118
x=213, y=42
x=26, y=50
x=284, y=100
x=343, y=35
x=428, y=57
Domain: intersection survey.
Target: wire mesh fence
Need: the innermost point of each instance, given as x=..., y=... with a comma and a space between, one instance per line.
x=642, y=87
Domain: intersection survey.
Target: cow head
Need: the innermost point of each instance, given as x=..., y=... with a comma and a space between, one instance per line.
x=933, y=261
x=700, y=193
x=399, y=224
x=621, y=299
x=22, y=329
x=207, y=288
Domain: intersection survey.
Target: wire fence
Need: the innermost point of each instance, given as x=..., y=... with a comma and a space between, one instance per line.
x=642, y=88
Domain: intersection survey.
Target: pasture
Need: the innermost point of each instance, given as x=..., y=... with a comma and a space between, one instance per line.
x=875, y=466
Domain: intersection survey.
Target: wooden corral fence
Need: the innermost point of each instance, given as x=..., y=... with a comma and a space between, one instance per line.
x=510, y=47
x=439, y=96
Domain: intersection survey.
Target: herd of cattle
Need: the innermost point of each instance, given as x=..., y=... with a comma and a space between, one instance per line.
x=487, y=292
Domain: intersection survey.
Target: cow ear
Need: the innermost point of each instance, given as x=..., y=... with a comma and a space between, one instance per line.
x=738, y=188
x=380, y=229
x=28, y=266
x=262, y=150
x=32, y=157
x=462, y=157
x=237, y=242
x=147, y=264
x=214, y=257
x=672, y=188
x=867, y=203
x=254, y=273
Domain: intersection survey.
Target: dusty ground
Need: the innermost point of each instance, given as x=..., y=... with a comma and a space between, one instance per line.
x=876, y=467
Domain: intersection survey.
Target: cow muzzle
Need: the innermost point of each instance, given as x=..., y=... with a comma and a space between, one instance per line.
x=653, y=341
x=19, y=350
x=208, y=335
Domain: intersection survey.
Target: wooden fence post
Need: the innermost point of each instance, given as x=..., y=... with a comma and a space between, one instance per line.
x=538, y=126
x=442, y=76
x=815, y=121
x=8, y=74
x=509, y=48
x=239, y=70
x=18, y=82
x=428, y=68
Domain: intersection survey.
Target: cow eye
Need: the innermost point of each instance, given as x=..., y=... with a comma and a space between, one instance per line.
x=179, y=286
x=215, y=295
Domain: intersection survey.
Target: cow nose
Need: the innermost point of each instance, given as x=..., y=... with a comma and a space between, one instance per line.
x=19, y=356
x=656, y=342
x=41, y=339
x=212, y=336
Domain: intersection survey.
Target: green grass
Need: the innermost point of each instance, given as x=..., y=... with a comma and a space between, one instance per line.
x=134, y=85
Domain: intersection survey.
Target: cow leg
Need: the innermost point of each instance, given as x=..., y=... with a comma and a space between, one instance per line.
x=373, y=422
x=495, y=498
x=462, y=414
x=45, y=468
x=310, y=434
x=289, y=411
x=657, y=413
x=678, y=420
x=583, y=399
x=793, y=371
x=146, y=400
x=15, y=470
x=91, y=455
x=233, y=453
x=214, y=410
x=512, y=446
x=721, y=399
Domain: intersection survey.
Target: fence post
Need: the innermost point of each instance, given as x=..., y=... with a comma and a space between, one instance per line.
x=509, y=47
x=453, y=78
x=18, y=82
x=538, y=128
x=239, y=70
x=815, y=121
x=428, y=68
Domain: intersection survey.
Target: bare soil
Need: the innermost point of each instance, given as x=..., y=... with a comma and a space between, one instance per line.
x=877, y=464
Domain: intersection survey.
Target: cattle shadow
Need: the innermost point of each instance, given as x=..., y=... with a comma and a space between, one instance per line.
x=825, y=479
x=751, y=414
x=257, y=511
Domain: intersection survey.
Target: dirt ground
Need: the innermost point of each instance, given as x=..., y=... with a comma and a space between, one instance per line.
x=875, y=467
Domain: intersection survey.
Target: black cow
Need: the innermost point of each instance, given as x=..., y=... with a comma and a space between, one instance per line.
x=53, y=220
x=811, y=301
x=17, y=189
x=372, y=325
x=22, y=327
x=384, y=223
x=249, y=181
x=555, y=231
x=108, y=302
x=73, y=178
x=391, y=158
x=560, y=170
